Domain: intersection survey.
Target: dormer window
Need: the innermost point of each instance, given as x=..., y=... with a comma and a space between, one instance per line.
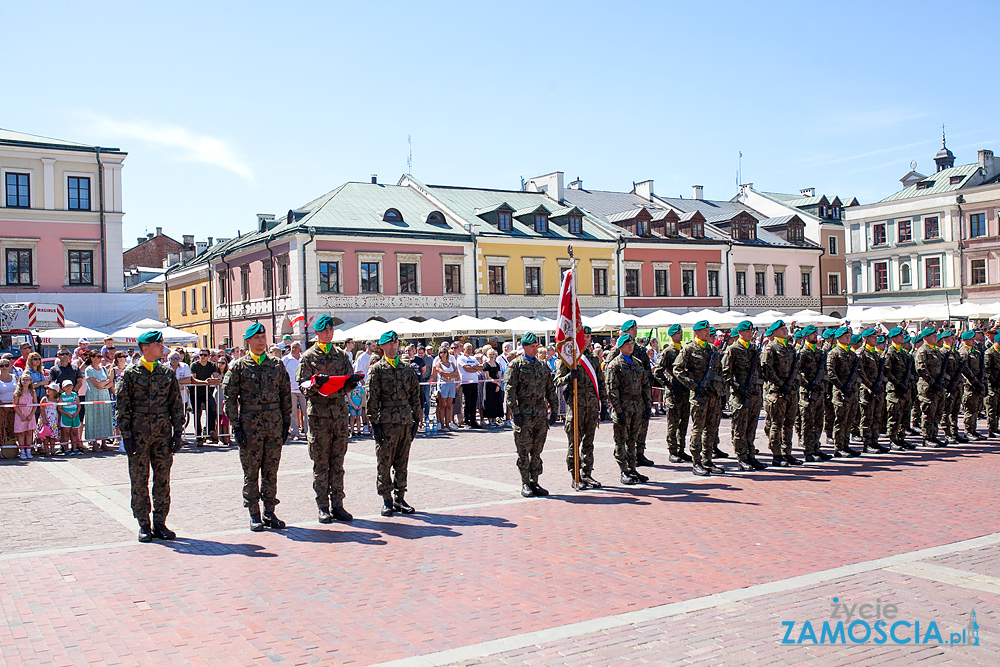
x=643, y=229
x=822, y=211
x=744, y=230
x=924, y=185
x=955, y=180
x=697, y=229
x=541, y=223
x=435, y=218
x=392, y=215
x=504, y=221
x=575, y=224
x=796, y=233
x=836, y=212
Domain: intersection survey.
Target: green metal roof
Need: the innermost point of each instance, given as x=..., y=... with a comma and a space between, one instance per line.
x=11, y=137
x=941, y=182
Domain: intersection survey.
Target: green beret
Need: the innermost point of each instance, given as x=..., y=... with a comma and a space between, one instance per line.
x=927, y=331
x=674, y=328
x=628, y=325
x=809, y=330
x=742, y=326
x=968, y=335
x=253, y=330
x=624, y=338
x=895, y=331
x=945, y=334
x=150, y=337
x=286, y=337
x=996, y=339
x=798, y=334
x=711, y=329
x=868, y=332
x=880, y=339
x=856, y=338
x=388, y=337
x=323, y=322
x=774, y=327
x=529, y=339
x=587, y=330
x=698, y=326
x=841, y=331
x=907, y=339
x=829, y=332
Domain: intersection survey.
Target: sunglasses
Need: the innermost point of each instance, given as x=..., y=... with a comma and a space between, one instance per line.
x=203, y=354
x=175, y=358
x=4, y=365
x=63, y=354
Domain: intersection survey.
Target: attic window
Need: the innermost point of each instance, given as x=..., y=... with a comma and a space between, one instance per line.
x=669, y=228
x=955, y=180
x=924, y=185
x=796, y=233
x=541, y=223
x=503, y=221
x=643, y=227
x=392, y=215
x=575, y=224
x=435, y=218
x=744, y=230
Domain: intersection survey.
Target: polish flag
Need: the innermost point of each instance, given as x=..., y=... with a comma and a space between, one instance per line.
x=569, y=331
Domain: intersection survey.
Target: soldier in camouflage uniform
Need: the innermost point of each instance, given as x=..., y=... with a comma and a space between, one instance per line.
x=394, y=410
x=829, y=342
x=870, y=375
x=529, y=388
x=812, y=392
x=150, y=416
x=933, y=376
x=740, y=369
x=627, y=384
x=910, y=345
x=992, y=362
x=259, y=408
x=779, y=365
x=640, y=354
x=841, y=369
x=974, y=377
x=676, y=395
x=699, y=368
x=899, y=374
x=586, y=413
x=953, y=387
x=328, y=417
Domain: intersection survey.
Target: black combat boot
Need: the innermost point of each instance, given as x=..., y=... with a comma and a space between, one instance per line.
x=539, y=491
x=387, y=507
x=959, y=437
x=256, y=523
x=641, y=460
x=401, y=506
x=590, y=480
x=744, y=464
x=779, y=462
x=639, y=476
x=974, y=435
x=714, y=469
x=271, y=520
x=324, y=513
x=145, y=532
x=791, y=460
x=340, y=514
x=527, y=490
x=823, y=456
x=757, y=465
x=812, y=458
x=719, y=454
x=582, y=485
x=161, y=532
x=698, y=469
x=628, y=479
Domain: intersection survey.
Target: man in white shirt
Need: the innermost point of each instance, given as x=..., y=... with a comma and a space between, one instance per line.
x=291, y=363
x=468, y=369
x=183, y=373
x=361, y=364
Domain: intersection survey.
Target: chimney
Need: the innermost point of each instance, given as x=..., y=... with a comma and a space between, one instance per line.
x=550, y=184
x=576, y=185
x=200, y=247
x=375, y=179
x=209, y=241
x=264, y=221
x=150, y=236
x=698, y=191
x=987, y=164
x=188, y=240
x=808, y=192
x=139, y=240
x=644, y=189
x=159, y=231
x=173, y=258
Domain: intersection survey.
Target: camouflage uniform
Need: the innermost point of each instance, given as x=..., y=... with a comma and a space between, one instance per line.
x=259, y=400
x=933, y=376
x=953, y=399
x=639, y=354
x=529, y=387
x=871, y=387
x=627, y=386
x=149, y=410
x=328, y=423
x=898, y=371
x=393, y=403
x=812, y=393
x=975, y=388
x=839, y=364
x=828, y=413
x=587, y=413
x=992, y=363
x=780, y=395
x=695, y=364
x=738, y=362
x=678, y=399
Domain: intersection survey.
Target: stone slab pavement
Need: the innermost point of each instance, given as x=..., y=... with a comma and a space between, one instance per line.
x=681, y=570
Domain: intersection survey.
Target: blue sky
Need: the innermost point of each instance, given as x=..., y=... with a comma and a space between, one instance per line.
x=229, y=109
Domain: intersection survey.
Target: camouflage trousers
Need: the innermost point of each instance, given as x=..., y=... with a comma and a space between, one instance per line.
x=529, y=439
x=829, y=416
x=931, y=404
x=869, y=418
x=678, y=414
x=151, y=452
x=897, y=407
x=993, y=409
x=781, y=411
x=745, y=415
x=705, y=417
x=628, y=426
x=845, y=407
x=916, y=412
x=327, y=449
x=811, y=413
x=392, y=454
x=972, y=403
x=260, y=458
x=587, y=425
x=640, y=437
x=949, y=413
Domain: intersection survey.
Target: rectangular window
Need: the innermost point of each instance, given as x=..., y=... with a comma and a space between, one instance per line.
x=503, y=221
x=81, y=267
x=453, y=279
x=631, y=282
x=283, y=278
x=931, y=230
x=806, y=284
x=533, y=280
x=977, y=225
x=245, y=284
x=761, y=285
x=221, y=290
x=779, y=283
x=408, y=278
x=541, y=223
x=932, y=266
x=979, y=272
x=204, y=297
x=833, y=284
x=661, y=282
x=878, y=234
x=79, y=193
x=600, y=282
x=267, y=277
x=184, y=302
x=18, y=190
x=713, y=283
x=498, y=284
x=687, y=282
x=369, y=278
x=329, y=277
x=881, y=276
x=905, y=231
x=194, y=301
x=833, y=245
x=741, y=283
x=575, y=224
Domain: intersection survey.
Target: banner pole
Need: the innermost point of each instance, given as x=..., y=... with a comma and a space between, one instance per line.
x=576, y=365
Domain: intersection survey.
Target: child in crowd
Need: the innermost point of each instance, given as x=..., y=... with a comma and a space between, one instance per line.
x=354, y=402
x=69, y=425
x=48, y=420
x=24, y=415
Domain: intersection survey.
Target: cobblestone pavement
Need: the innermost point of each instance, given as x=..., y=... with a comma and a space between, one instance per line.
x=680, y=570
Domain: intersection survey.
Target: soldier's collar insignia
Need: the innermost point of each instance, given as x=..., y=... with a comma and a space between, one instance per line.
x=677, y=346
x=326, y=347
x=393, y=362
x=744, y=343
x=258, y=360
x=149, y=365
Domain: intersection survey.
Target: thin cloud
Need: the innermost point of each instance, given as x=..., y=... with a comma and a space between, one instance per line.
x=191, y=146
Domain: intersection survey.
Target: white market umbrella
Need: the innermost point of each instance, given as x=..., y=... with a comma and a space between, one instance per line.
x=524, y=324
x=429, y=328
x=171, y=335
x=657, y=319
x=609, y=320
x=69, y=335
x=812, y=317
x=369, y=330
x=974, y=311
x=923, y=311
x=877, y=314
x=466, y=325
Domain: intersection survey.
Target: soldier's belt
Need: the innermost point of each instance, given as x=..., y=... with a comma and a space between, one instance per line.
x=394, y=404
x=151, y=410
x=258, y=407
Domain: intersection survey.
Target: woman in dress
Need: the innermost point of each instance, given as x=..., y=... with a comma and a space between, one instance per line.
x=493, y=398
x=97, y=424
x=445, y=374
x=8, y=383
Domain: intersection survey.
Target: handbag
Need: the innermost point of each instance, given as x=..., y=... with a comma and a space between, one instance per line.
x=44, y=431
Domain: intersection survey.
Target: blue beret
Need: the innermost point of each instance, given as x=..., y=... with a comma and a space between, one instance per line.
x=323, y=322
x=809, y=330
x=628, y=325
x=856, y=338
x=674, y=328
x=743, y=326
x=945, y=334
x=829, y=332
x=529, y=339
x=698, y=326
x=388, y=337
x=624, y=338
x=774, y=327
x=868, y=332
x=895, y=331
x=968, y=335
x=841, y=331
x=150, y=337
x=253, y=330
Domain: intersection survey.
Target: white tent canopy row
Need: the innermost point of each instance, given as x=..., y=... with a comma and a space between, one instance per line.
x=463, y=325
x=128, y=336
x=921, y=312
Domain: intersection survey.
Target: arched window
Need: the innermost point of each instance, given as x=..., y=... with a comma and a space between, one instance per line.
x=435, y=218
x=392, y=215
x=904, y=274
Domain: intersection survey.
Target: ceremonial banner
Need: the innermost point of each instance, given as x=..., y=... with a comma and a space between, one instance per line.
x=569, y=329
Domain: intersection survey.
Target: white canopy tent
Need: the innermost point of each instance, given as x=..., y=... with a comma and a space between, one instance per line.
x=609, y=320
x=525, y=324
x=70, y=335
x=812, y=317
x=171, y=335
x=658, y=319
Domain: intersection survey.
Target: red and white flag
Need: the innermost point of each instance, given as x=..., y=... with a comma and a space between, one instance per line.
x=569, y=331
